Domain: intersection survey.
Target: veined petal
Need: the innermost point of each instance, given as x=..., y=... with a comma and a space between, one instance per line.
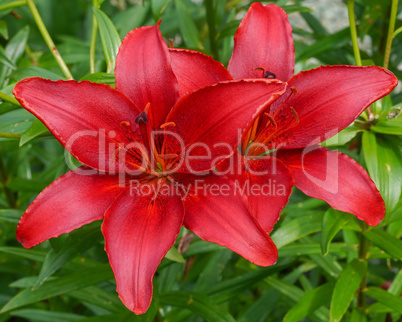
x=144, y=73
x=337, y=179
x=263, y=40
x=328, y=99
x=268, y=184
x=216, y=212
x=73, y=200
x=85, y=117
x=139, y=229
x=209, y=122
x=194, y=70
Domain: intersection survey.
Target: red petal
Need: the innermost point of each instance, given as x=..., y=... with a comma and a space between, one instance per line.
x=216, y=212
x=195, y=70
x=217, y=115
x=337, y=179
x=85, y=117
x=264, y=39
x=328, y=99
x=270, y=185
x=139, y=230
x=68, y=203
x=144, y=74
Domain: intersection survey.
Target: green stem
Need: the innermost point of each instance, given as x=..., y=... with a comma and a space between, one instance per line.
x=9, y=99
x=10, y=135
x=12, y=5
x=392, y=19
x=209, y=5
x=4, y=181
x=31, y=56
x=353, y=32
x=355, y=43
x=363, y=248
x=398, y=31
x=94, y=33
x=48, y=39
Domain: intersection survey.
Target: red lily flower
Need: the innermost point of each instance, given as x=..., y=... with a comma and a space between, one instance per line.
x=131, y=176
x=317, y=104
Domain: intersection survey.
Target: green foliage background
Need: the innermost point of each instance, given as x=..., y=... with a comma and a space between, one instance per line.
x=331, y=266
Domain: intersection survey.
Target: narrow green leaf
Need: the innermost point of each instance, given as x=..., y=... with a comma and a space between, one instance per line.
x=101, y=78
x=34, y=71
x=187, y=26
x=197, y=303
x=17, y=121
x=5, y=60
x=61, y=285
x=311, y=301
x=296, y=229
x=46, y=316
x=342, y=137
x=110, y=38
x=385, y=241
x=32, y=254
x=77, y=242
x=358, y=316
x=396, y=286
x=14, y=50
x=345, y=288
x=157, y=7
x=174, y=255
x=4, y=29
x=391, y=126
x=385, y=298
x=11, y=216
x=383, y=162
x=333, y=221
x=37, y=128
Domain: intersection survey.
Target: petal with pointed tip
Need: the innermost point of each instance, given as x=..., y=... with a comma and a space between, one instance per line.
x=85, y=117
x=208, y=122
x=328, y=99
x=263, y=39
x=144, y=73
x=194, y=70
x=75, y=199
x=337, y=179
x=139, y=229
x=215, y=212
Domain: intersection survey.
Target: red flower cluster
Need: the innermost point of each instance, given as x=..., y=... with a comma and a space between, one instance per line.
x=175, y=116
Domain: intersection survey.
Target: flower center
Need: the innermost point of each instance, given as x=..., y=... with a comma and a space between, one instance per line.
x=266, y=73
x=269, y=126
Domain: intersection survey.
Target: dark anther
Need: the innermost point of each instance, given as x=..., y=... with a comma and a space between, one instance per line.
x=141, y=118
x=269, y=74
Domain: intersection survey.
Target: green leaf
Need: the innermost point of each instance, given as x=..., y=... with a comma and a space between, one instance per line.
x=35, y=71
x=77, y=242
x=187, y=26
x=389, y=300
x=17, y=121
x=174, y=255
x=333, y=221
x=342, y=137
x=14, y=50
x=157, y=7
x=37, y=128
x=46, y=316
x=110, y=38
x=297, y=228
x=328, y=43
x=30, y=254
x=5, y=61
x=390, y=125
x=197, y=303
x=311, y=301
x=358, y=316
x=60, y=286
x=385, y=241
x=4, y=29
x=101, y=78
x=384, y=165
x=11, y=216
x=345, y=288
